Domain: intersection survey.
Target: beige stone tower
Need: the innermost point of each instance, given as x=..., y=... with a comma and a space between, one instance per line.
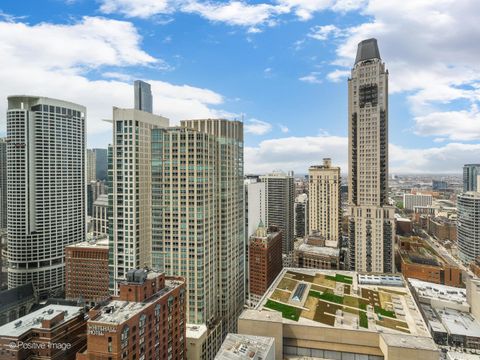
x=324, y=206
x=372, y=227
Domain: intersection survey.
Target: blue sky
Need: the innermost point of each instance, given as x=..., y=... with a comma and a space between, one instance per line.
x=279, y=65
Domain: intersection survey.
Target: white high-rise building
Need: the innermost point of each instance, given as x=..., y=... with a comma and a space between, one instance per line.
x=280, y=200
x=468, y=226
x=325, y=211
x=130, y=191
x=46, y=189
x=371, y=225
x=3, y=184
x=255, y=205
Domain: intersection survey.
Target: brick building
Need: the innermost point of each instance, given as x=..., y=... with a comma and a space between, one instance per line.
x=419, y=261
x=50, y=333
x=265, y=260
x=146, y=321
x=442, y=228
x=86, y=271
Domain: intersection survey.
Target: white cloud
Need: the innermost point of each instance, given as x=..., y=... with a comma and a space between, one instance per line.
x=283, y=128
x=56, y=64
x=232, y=12
x=136, y=8
x=298, y=153
x=338, y=75
x=311, y=78
x=257, y=127
x=463, y=125
x=62, y=47
x=323, y=32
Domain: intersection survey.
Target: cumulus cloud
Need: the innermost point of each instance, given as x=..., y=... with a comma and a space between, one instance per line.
x=233, y=12
x=323, y=32
x=311, y=78
x=298, y=153
x=56, y=64
x=283, y=128
x=257, y=127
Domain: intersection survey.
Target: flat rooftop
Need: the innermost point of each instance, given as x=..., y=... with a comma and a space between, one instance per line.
x=431, y=291
x=34, y=319
x=102, y=200
x=195, y=331
x=319, y=250
x=118, y=311
x=239, y=346
x=100, y=242
x=459, y=322
x=343, y=299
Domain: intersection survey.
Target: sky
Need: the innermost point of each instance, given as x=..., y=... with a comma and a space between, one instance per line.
x=281, y=66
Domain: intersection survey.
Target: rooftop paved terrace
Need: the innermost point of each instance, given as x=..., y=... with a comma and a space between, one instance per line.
x=345, y=300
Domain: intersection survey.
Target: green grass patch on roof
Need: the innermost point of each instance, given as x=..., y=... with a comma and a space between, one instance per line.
x=340, y=278
x=288, y=312
x=362, y=306
x=363, y=320
x=383, y=312
x=326, y=296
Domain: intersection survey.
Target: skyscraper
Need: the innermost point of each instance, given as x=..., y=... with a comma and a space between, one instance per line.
x=255, y=206
x=3, y=184
x=101, y=164
x=46, y=189
x=91, y=166
x=470, y=177
x=143, y=96
x=468, y=226
x=325, y=211
x=371, y=223
x=130, y=192
x=280, y=199
x=198, y=219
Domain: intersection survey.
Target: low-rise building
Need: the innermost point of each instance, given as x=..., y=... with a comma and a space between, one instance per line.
x=246, y=347
x=86, y=271
x=146, y=321
x=448, y=314
x=410, y=201
x=442, y=228
x=419, y=261
x=314, y=252
x=16, y=302
x=475, y=266
x=52, y=332
x=340, y=315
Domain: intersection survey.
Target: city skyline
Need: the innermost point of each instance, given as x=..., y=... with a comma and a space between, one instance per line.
x=434, y=119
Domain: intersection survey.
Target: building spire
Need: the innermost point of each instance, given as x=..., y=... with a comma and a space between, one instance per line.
x=367, y=50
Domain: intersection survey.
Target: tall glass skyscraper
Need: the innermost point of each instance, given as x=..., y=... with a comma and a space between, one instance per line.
x=46, y=189
x=198, y=219
x=371, y=226
x=468, y=226
x=470, y=177
x=143, y=96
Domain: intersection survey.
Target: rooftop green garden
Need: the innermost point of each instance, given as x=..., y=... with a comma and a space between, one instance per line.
x=288, y=312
